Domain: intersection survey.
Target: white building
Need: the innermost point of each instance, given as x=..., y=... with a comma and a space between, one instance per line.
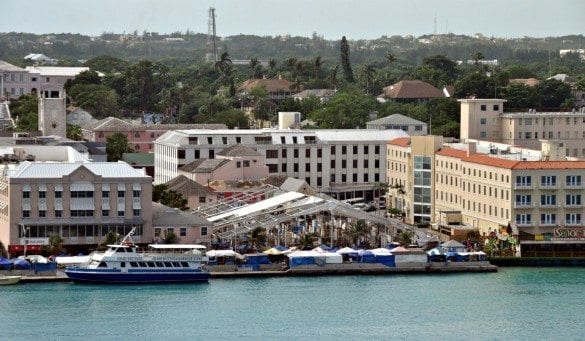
x=344, y=163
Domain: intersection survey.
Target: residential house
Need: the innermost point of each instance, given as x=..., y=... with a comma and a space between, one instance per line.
x=398, y=121
x=410, y=91
x=188, y=227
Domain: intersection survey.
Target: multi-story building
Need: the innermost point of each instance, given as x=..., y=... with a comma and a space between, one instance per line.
x=140, y=136
x=492, y=188
x=78, y=201
x=397, y=121
x=485, y=119
x=344, y=163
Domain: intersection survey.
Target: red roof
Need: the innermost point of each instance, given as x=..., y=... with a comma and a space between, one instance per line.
x=487, y=160
x=411, y=90
x=401, y=141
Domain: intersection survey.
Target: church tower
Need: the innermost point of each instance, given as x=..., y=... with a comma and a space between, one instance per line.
x=52, y=114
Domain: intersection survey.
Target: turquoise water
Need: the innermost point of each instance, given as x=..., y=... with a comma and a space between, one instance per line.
x=515, y=303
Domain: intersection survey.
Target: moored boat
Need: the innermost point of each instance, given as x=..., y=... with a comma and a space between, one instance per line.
x=161, y=263
x=7, y=280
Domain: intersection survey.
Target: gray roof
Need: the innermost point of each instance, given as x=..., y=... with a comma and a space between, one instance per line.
x=4, y=66
x=203, y=165
x=316, y=93
x=167, y=216
x=453, y=243
x=116, y=124
x=397, y=119
x=238, y=150
x=187, y=187
x=40, y=170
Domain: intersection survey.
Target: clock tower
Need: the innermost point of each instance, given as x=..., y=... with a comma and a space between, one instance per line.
x=52, y=114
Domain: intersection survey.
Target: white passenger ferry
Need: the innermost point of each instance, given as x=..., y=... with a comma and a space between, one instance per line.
x=162, y=263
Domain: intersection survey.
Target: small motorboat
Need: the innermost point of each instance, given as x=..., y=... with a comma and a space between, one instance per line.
x=6, y=280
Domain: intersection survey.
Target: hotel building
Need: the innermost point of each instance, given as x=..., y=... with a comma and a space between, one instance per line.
x=78, y=201
x=492, y=188
x=343, y=163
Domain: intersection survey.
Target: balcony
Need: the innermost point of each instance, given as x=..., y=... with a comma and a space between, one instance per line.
x=523, y=186
x=573, y=185
x=547, y=223
x=523, y=205
x=572, y=205
x=524, y=223
x=548, y=185
x=549, y=206
x=573, y=223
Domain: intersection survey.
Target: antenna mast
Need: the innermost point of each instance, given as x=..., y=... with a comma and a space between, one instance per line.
x=211, y=46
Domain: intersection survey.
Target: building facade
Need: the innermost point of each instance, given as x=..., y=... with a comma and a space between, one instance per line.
x=344, y=163
x=485, y=119
x=80, y=202
x=472, y=186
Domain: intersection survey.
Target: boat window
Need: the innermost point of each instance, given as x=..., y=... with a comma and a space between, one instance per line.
x=122, y=264
x=168, y=264
x=159, y=264
x=103, y=265
x=176, y=264
x=185, y=264
x=150, y=264
x=133, y=264
x=142, y=264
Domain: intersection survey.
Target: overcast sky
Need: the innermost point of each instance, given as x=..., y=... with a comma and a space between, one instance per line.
x=331, y=18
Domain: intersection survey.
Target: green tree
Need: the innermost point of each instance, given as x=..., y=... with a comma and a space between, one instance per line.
x=116, y=146
x=74, y=132
x=519, y=96
x=346, y=110
x=442, y=63
x=255, y=68
x=367, y=75
x=345, y=62
x=405, y=237
x=257, y=238
x=54, y=247
x=171, y=237
x=332, y=78
x=107, y=64
x=143, y=83
x=553, y=93
x=307, y=241
x=474, y=84
x=25, y=112
x=111, y=238
x=99, y=100
x=359, y=233
x=317, y=64
x=170, y=198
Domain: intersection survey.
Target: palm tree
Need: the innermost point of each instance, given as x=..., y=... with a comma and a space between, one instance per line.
x=257, y=238
x=256, y=68
x=477, y=57
x=223, y=63
x=359, y=233
x=272, y=64
x=307, y=241
x=332, y=78
x=405, y=237
x=390, y=58
x=368, y=72
x=318, y=65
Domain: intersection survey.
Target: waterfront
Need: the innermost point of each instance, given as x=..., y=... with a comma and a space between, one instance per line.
x=514, y=303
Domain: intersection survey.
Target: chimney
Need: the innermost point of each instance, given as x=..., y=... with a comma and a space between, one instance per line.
x=471, y=148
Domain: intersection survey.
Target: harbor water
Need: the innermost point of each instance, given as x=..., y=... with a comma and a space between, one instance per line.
x=514, y=303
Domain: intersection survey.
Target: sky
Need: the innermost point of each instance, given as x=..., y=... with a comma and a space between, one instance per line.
x=356, y=19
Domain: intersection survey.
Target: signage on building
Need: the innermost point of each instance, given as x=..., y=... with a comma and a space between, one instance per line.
x=563, y=233
x=34, y=241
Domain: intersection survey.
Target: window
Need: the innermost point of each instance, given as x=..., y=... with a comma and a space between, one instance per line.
x=482, y=121
x=204, y=230
x=26, y=214
x=377, y=150
x=332, y=150
x=224, y=139
x=209, y=140
x=25, y=194
x=283, y=167
x=307, y=167
x=238, y=139
x=296, y=153
x=273, y=168
x=319, y=167
x=272, y=154
x=183, y=232
x=355, y=164
x=82, y=194
x=307, y=153
x=366, y=149
x=121, y=194
x=366, y=177
x=418, y=127
x=524, y=181
x=482, y=134
x=295, y=140
x=58, y=213
x=42, y=214
x=105, y=213
x=238, y=164
x=483, y=107
x=548, y=218
x=354, y=178
x=573, y=219
x=201, y=200
x=283, y=153
x=573, y=180
x=496, y=107
x=343, y=163
x=105, y=194
x=282, y=140
x=548, y=200
x=355, y=150
x=573, y=200
x=136, y=212
x=58, y=194
x=548, y=180
x=81, y=213
x=136, y=193
x=120, y=213
x=181, y=153
x=295, y=167
x=523, y=200
x=366, y=163
x=319, y=152
x=343, y=178
x=246, y=163
x=523, y=219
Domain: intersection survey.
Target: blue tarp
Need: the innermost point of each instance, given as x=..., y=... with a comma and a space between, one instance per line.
x=281, y=248
x=42, y=267
x=369, y=257
x=296, y=261
x=256, y=260
x=5, y=263
x=21, y=264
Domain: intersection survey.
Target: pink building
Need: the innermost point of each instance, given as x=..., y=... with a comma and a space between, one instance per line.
x=140, y=136
x=195, y=193
x=189, y=227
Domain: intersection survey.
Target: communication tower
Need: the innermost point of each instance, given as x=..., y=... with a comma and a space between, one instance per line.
x=211, y=46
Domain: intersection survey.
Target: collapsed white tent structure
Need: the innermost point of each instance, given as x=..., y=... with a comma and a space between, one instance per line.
x=239, y=218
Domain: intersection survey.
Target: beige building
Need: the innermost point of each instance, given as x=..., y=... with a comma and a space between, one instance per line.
x=80, y=202
x=536, y=195
x=485, y=119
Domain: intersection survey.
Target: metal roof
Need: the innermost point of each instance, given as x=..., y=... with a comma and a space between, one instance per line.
x=39, y=170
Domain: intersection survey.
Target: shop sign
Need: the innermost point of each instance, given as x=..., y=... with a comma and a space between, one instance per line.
x=563, y=233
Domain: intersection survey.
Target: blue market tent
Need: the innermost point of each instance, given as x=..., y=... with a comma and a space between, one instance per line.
x=281, y=248
x=256, y=260
x=5, y=264
x=21, y=264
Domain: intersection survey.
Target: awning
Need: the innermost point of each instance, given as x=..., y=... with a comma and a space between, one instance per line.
x=42, y=188
x=136, y=187
x=58, y=188
x=81, y=186
x=121, y=187
x=26, y=188
x=82, y=204
x=105, y=187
